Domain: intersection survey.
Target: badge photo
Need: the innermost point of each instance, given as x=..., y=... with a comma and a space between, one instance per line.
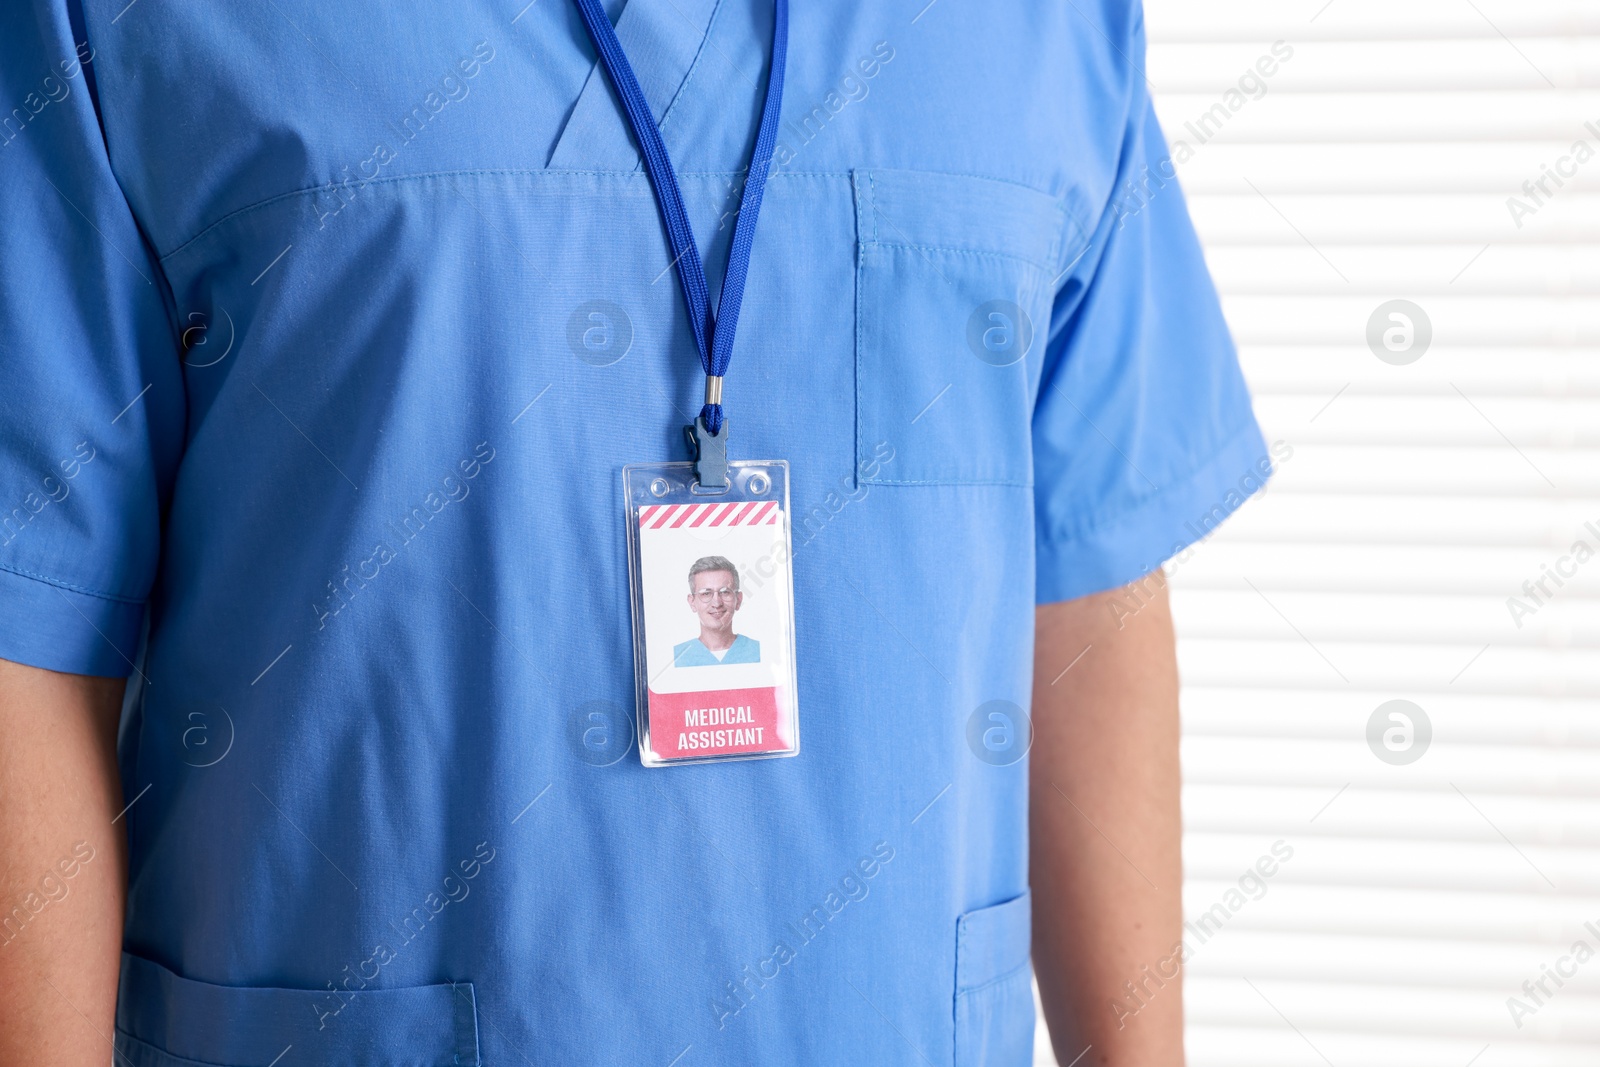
x=713, y=614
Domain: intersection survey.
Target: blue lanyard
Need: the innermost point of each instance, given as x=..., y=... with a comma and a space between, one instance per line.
x=713, y=334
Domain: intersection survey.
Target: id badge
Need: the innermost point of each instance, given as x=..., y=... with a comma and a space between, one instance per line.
x=712, y=592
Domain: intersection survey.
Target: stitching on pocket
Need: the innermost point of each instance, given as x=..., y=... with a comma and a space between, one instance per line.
x=976, y=252
x=1008, y=976
x=147, y=1051
x=466, y=1019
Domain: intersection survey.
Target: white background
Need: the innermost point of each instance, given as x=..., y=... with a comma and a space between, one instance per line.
x=1418, y=500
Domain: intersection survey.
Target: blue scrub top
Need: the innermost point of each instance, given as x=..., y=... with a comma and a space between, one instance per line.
x=327, y=329
x=694, y=653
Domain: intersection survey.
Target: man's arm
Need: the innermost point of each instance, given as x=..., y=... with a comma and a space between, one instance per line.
x=60, y=912
x=1105, y=832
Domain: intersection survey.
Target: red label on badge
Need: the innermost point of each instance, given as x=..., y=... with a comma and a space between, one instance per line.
x=721, y=722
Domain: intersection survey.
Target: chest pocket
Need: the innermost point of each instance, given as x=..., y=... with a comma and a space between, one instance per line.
x=954, y=282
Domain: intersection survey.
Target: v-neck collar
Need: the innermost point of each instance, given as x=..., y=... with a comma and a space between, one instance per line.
x=663, y=39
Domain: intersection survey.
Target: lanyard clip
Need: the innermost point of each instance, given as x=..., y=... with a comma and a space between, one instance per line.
x=709, y=452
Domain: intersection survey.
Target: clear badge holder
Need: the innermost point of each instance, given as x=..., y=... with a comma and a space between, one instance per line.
x=712, y=590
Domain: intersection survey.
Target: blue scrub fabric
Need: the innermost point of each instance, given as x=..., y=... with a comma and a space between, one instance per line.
x=693, y=653
x=326, y=330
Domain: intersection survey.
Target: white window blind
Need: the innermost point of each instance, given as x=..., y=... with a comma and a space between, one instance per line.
x=1377, y=163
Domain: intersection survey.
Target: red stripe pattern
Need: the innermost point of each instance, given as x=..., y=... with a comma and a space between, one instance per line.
x=738, y=513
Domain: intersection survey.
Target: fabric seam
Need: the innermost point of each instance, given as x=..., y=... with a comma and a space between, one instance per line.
x=985, y=482
x=857, y=191
x=163, y=1053
x=465, y=1018
x=1173, y=486
x=1044, y=267
x=59, y=584
x=553, y=173
x=694, y=67
x=1012, y=973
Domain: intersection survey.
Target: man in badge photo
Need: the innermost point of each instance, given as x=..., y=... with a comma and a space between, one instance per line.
x=714, y=596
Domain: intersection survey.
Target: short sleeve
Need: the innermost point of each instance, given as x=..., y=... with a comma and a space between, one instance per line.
x=91, y=410
x=1143, y=434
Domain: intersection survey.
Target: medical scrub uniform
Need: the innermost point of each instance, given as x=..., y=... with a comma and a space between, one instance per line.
x=326, y=329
